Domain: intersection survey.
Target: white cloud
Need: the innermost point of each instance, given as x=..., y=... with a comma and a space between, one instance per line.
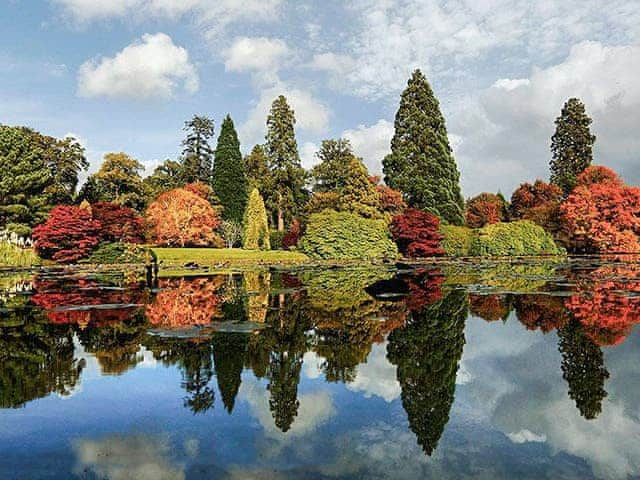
x=525, y=436
x=150, y=67
x=258, y=53
x=377, y=376
x=308, y=152
x=371, y=143
x=332, y=62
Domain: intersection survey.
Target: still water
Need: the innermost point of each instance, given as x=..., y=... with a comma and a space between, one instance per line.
x=493, y=371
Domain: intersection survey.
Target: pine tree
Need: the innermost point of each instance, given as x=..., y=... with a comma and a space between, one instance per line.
x=288, y=176
x=421, y=163
x=197, y=155
x=229, y=180
x=256, y=228
x=571, y=145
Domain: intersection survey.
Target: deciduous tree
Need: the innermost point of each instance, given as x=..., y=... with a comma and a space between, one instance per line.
x=416, y=233
x=118, y=223
x=485, y=209
x=539, y=203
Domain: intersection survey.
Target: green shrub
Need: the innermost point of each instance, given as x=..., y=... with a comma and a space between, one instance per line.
x=275, y=238
x=345, y=236
x=457, y=240
x=515, y=238
x=114, y=253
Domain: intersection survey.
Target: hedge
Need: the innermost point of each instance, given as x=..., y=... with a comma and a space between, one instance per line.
x=516, y=238
x=345, y=236
x=457, y=240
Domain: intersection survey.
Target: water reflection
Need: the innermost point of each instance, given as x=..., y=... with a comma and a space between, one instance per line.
x=258, y=332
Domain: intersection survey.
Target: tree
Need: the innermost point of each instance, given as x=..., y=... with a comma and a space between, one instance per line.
x=118, y=180
x=421, y=164
x=571, y=145
x=182, y=218
x=229, y=352
x=69, y=234
x=293, y=235
x=231, y=233
x=390, y=200
x=601, y=214
x=255, y=226
x=485, y=209
x=197, y=155
x=416, y=233
x=118, y=223
x=66, y=163
x=538, y=203
x=288, y=176
x=229, y=180
x=165, y=177
x=332, y=173
x=256, y=166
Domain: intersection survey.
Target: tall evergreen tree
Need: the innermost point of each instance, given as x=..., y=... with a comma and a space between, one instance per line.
x=571, y=145
x=421, y=163
x=255, y=227
x=288, y=177
x=256, y=166
x=197, y=155
x=229, y=180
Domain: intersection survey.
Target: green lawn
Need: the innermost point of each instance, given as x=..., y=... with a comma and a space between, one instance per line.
x=208, y=257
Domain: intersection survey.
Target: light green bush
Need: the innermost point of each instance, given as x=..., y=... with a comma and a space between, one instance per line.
x=457, y=240
x=515, y=238
x=345, y=236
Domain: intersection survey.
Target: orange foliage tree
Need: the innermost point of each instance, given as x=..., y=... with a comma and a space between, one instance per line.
x=601, y=214
x=391, y=200
x=182, y=218
x=539, y=203
x=540, y=312
x=485, y=209
x=490, y=307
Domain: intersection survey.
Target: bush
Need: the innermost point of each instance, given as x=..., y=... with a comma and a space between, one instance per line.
x=485, y=209
x=69, y=234
x=119, y=253
x=345, y=236
x=456, y=241
x=511, y=239
x=275, y=238
x=292, y=237
x=15, y=251
x=416, y=233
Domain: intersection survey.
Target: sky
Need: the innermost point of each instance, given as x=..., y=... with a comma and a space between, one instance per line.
x=124, y=75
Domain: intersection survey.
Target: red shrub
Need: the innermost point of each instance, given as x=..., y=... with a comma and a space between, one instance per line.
x=485, y=209
x=416, y=233
x=69, y=234
x=538, y=203
x=119, y=224
x=292, y=236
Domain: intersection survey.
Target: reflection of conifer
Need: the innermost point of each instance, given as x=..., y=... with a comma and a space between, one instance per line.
x=583, y=369
x=427, y=352
x=229, y=352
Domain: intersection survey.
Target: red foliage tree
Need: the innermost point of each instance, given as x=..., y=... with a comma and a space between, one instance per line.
x=485, y=209
x=416, y=233
x=601, y=215
x=292, y=236
x=119, y=224
x=538, y=203
x=181, y=218
x=425, y=288
x=69, y=234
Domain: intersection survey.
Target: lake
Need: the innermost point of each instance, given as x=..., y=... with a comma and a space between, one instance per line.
x=521, y=370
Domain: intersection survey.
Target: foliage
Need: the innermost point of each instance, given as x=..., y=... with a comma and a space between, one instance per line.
x=288, y=178
x=292, y=237
x=182, y=218
x=228, y=178
x=118, y=253
x=231, y=233
x=36, y=172
x=118, y=180
x=342, y=235
x=421, y=164
x=601, y=217
x=118, y=223
x=571, y=145
x=69, y=234
x=490, y=307
x=177, y=257
x=275, y=239
x=456, y=241
x=256, y=166
x=539, y=203
x=416, y=233
x=15, y=251
x=511, y=239
x=390, y=200
x=485, y=209
x=540, y=312
x=165, y=177
x=197, y=155
x=255, y=226
x=320, y=202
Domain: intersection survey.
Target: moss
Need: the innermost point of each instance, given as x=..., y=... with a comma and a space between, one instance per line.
x=344, y=236
x=457, y=240
x=512, y=239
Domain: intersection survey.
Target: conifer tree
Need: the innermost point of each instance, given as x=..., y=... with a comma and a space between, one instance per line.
x=288, y=176
x=229, y=180
x=421, y=163
x=256, y=228
x=571, y=145
x=197, y=155
x=256, y=166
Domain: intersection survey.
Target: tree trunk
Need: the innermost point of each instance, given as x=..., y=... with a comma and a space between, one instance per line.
x=280, y=220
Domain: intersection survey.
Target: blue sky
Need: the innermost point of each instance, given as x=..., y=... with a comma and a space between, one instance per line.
x=125, y=74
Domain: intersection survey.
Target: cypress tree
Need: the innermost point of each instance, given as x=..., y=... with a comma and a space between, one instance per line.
x=571, y=145
x=288, y=176
x=197, y=154
x=421, y=163
x=228, y=179
x=256, y=228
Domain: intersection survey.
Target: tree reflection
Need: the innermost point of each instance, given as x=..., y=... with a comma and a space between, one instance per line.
x=427, y=352
x=229, y=353
x=541, y=312
x=490, y=307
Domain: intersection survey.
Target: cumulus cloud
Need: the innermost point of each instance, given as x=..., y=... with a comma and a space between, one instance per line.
x=150, y=67
x=372, y=143
x=258, y=53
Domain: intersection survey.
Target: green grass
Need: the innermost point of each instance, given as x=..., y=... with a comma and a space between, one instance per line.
x=208, y=257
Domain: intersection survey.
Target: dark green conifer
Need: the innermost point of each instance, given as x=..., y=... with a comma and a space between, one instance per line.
x=197, y=155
